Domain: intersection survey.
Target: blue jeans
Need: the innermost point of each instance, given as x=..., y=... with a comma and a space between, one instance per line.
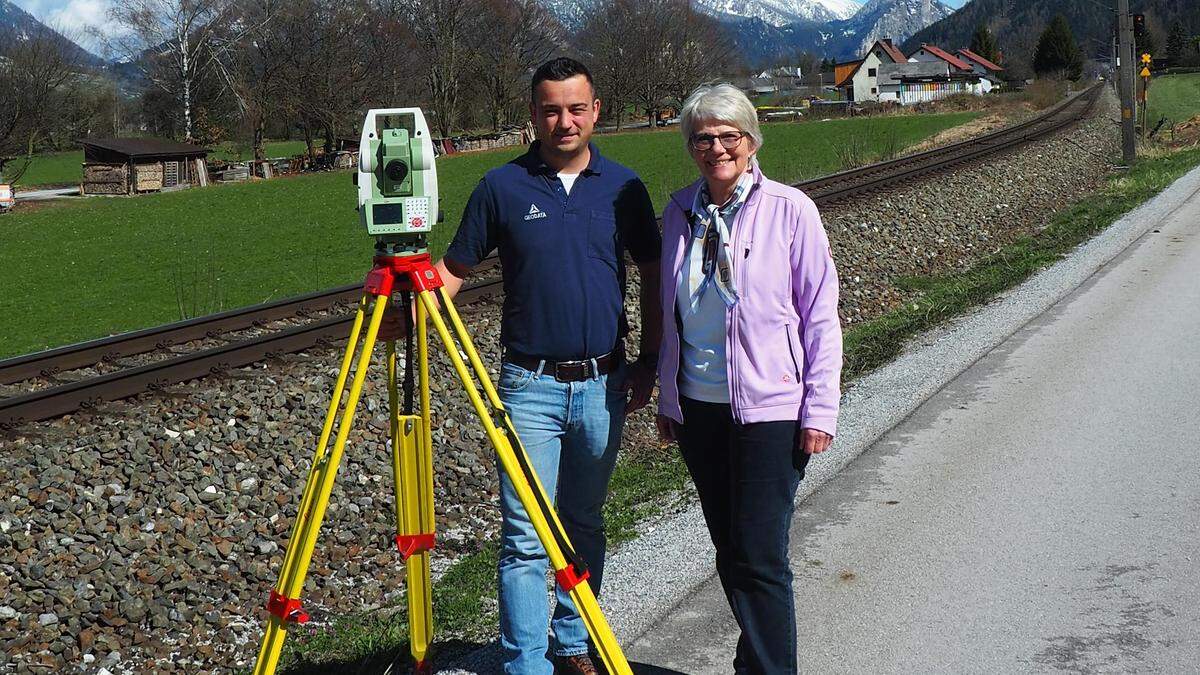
x=571, y=432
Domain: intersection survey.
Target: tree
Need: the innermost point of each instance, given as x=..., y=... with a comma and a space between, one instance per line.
x=603, y=42
x=175, y=43
x=443, y=30
x=1056, y=54
x=697, y=50
x=520, y=34
x=984, y=44
x=1146, y=44
x=652, y=53
x=252, y=65
x=1176, y=43
x=36, y=75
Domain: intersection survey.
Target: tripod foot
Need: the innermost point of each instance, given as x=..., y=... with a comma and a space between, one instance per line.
x=287, y=609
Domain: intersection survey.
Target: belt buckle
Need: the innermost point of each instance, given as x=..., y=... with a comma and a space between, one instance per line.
x=561, y=368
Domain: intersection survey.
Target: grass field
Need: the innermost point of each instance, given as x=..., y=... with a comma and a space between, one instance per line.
x=65, y=168
x=55, y=168
x=1176, y=97
x=143, y=261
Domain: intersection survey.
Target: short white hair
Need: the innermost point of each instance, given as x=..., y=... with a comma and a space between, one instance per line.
x=723, y=103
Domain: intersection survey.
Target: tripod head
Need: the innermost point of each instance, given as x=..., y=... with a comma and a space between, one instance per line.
x=397, y=181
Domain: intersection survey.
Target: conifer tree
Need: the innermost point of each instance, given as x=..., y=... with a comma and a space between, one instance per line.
x=1057, y=55
x=1176, y=43
x=984, y=44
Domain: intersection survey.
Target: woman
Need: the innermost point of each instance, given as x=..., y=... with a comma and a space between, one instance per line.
x=750, y=360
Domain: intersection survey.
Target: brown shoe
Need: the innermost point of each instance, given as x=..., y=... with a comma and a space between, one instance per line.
x=580, y=664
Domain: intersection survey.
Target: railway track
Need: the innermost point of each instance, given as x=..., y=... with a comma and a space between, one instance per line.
x=77, y=377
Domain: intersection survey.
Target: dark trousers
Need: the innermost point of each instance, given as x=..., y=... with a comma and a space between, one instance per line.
x=746, y=476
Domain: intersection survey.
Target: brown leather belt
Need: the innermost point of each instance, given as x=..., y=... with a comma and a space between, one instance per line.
x=568, y=371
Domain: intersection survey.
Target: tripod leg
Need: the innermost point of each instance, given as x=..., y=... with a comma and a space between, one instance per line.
x=335, y=401
x=515, y=462
x=412, y=538
x=284, y=605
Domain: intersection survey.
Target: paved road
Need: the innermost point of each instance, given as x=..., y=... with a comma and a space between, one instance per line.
x=1040, y=513
x=42, y=195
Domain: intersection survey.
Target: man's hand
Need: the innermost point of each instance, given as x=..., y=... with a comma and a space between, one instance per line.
x=667, y=428
x=639, y=384
x=814, y=441
x=392, y=326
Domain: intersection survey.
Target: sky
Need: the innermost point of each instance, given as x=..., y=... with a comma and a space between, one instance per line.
x=77, y=18
x=74, y=18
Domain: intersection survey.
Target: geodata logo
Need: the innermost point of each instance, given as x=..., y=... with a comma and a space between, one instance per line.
x=534, y=213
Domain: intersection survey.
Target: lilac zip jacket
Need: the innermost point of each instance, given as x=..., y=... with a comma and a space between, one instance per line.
x=783, y=340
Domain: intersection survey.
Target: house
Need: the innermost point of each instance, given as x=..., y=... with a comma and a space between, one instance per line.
x=922, y=81
x=982, y=67
x=757, y=86
x=862, y=82
x=928, y=52
x=124, y=166
x=976, y=83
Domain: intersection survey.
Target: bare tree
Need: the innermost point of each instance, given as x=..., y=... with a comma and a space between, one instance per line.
x=697, y=48
x=651, y=53
x=609, y=52
x=520, y=34
x=249, y=56
x=443, y=30
x=34, y=78
x=175, y=43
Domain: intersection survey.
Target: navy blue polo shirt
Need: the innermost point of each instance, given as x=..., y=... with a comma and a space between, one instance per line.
x=562, y=254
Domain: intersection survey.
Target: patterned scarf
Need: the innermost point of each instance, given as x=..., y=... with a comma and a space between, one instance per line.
x=709, y=260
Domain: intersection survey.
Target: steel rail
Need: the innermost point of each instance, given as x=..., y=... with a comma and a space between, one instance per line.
x=88, y=393
x=834, y=188
x=213, y=326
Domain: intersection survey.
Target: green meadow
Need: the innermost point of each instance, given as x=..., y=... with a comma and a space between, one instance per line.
x=131, y=262
x=1176, y=97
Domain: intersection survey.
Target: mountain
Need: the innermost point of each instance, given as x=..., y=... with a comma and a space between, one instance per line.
x=761, y=42
x=17, y=24
x=780, y=13
x=895, y=19
x=1017, y=24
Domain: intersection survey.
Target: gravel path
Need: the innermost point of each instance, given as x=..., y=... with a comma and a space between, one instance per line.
x=146, y=535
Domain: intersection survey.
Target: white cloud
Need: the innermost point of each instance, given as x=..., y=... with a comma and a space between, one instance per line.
x=79, y=20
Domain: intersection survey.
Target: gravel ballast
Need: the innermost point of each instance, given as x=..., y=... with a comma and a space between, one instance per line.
x=146, y=535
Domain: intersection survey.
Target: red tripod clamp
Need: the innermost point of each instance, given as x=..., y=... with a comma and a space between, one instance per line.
x=287, y=609
x=568, y=578
x=412, y=544
x=414, y=273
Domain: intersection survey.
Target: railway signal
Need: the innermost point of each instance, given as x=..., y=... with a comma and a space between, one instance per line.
x=397, y=202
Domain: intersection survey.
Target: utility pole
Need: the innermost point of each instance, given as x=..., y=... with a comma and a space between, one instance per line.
x=1126, y=81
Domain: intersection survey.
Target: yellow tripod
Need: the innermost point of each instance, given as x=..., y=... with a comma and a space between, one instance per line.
x=412, y=468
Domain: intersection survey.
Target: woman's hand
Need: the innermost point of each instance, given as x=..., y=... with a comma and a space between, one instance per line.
x=668, y=430
x=814, y=441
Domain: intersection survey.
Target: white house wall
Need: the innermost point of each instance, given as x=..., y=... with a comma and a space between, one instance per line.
x=864, y=82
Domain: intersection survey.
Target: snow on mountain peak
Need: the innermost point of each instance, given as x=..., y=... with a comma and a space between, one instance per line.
x=782, y=12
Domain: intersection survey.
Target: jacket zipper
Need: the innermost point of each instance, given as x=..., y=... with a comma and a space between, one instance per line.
x=731, y=330
x=677, y=266
x=792, y=352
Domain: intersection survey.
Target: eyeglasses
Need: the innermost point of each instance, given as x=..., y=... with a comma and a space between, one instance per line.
x=704, y=142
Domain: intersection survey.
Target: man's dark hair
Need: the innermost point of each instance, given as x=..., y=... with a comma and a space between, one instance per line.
x=557, y=70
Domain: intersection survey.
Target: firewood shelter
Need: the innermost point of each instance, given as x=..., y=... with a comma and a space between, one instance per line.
x=126, y=166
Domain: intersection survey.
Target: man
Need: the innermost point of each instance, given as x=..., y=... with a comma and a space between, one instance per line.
x=562, y=217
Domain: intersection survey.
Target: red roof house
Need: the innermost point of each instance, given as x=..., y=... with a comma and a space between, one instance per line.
x=977, y=60
x=927, y=52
